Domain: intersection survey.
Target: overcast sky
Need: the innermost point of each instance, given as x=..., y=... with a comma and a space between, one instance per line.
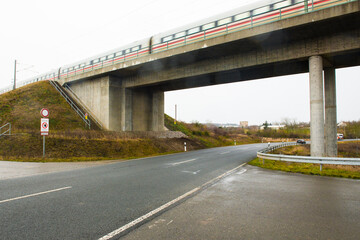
x=43, y=35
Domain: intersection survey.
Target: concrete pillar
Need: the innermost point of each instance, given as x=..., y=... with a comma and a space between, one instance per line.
x=141, y=109
x=330, y=113
x=102, y=96
x=126, y=112
x=316, y=106
x=147, y=110
x=158, y=111
x=114, y=91
x=122, y=109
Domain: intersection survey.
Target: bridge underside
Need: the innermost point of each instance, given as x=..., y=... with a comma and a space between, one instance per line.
x=132, y=98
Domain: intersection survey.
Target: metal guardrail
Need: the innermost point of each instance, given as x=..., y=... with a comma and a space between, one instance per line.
x=68, y=88
x=7, y=130
x=305, y=159
x=273, y=147
x=72, y=104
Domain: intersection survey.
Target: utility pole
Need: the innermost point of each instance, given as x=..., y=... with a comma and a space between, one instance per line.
x=14, y=76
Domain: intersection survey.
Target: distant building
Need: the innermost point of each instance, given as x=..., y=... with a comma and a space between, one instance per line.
x=244, y=124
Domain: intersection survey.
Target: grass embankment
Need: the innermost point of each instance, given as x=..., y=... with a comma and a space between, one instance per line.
x=22, y=106
x=70, y=141
x=345, y=149
x=28, y=147
x=210, y=136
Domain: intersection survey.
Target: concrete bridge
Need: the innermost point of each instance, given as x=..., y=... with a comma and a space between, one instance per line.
x=129, y=96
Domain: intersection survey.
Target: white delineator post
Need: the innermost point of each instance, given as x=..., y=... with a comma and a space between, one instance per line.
x=316, y=106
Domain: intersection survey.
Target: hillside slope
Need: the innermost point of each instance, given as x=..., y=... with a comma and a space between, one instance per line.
x=69, y=140
x=22, y=106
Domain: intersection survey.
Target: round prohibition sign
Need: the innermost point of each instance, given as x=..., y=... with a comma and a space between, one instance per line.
x=44, y=112
x=44, y=125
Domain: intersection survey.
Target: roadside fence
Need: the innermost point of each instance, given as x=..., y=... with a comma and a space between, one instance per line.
x=263, y=154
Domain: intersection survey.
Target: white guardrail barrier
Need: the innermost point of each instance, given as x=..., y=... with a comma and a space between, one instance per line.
x=304, y=159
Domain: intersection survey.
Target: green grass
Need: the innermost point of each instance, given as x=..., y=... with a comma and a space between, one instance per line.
x=22, y=106
x=210, y=137
x=307, y=168
x=28, y=147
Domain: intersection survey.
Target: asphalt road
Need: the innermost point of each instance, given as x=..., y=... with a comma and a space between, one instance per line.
x=92, y=202
x=256, y=203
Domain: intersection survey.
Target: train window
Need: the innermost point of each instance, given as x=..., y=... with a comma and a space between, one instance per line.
x=261, y=10
x=168, y=38
x=82, y=65
x=208, y=26
x=134, y=49
x=119, y=54
x=127, y=51
x=193, y=30
x=96, y=61
x=76, y=67
x=72, y=68
x=282, y=4
x=242, y=16
x=224, y=21
x=103, y=58
x=180, y=34
x=110, y=56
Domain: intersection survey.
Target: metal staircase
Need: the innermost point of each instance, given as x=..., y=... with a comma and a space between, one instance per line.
x=5, y=130
x=79, y=108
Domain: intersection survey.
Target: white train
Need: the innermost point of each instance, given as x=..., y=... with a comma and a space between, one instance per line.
x=258, y=13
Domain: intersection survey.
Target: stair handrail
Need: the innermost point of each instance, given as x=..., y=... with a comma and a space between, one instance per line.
x=7, y=131
x=67, y=87
x=72, y=104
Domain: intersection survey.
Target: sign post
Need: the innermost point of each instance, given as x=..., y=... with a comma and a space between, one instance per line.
x=44, y=126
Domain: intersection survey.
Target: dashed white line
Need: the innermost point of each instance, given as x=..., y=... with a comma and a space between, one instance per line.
x=34, y=194
x=225, y=152
x=178, y=163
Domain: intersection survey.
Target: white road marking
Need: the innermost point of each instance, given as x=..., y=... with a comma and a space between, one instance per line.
x=159, y=209
x=191, y=172
x=178, y=163
x=34, y=194
x=241, y=172
x=224, y=152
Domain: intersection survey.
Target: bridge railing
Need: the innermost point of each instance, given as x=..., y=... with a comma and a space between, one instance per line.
x=263, y=154
x=284, y=11
x=5, y=130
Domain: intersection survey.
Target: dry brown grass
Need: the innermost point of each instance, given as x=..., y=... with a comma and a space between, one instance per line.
x=345, y=149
